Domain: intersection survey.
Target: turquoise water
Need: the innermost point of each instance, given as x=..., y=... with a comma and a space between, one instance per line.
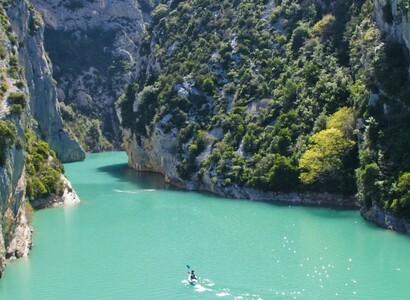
x=132, y=239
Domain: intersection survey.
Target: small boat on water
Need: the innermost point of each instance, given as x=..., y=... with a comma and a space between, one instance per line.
x=193, y=281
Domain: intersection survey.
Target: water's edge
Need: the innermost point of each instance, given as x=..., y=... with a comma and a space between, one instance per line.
x=374, y=214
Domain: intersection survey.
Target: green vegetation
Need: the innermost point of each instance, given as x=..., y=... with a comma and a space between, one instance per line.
x=288, y=86
x=43, y=169
x=102, y=74
x=323, y=162
x=17, y=102
x=88, y=131
x=35, y=22
x=7, y=138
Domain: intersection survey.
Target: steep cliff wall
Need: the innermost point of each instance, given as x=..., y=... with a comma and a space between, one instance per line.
x=38, y=75
x=90, y=81
x=27, y=100
x=393, y=18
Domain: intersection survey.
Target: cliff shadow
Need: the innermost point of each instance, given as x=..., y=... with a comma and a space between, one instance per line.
x=145, y=180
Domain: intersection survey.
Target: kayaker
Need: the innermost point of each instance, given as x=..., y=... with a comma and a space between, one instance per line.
x=193, y=275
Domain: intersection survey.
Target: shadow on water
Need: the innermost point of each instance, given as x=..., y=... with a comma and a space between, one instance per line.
x=149, y=180
x=146, y=180
x=319, y=210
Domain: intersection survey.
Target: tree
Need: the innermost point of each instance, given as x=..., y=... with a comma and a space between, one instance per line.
x=343, y=120
x=324, y=155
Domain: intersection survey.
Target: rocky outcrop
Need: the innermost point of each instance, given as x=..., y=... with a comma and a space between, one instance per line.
x=67, y=198
x=15, y=234
x=393, y=18
x=21, y=240
x=156, y=154
x=386, y=219
x=38, y=75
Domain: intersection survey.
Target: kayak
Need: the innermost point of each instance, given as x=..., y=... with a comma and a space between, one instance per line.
x=192, y=281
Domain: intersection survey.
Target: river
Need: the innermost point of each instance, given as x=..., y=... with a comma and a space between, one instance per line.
x=132, y=238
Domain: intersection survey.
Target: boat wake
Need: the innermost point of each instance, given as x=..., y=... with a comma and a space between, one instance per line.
x=207, y=285
x=135, y=192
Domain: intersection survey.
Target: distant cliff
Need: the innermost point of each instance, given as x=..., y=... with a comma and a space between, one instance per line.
x=94, y=49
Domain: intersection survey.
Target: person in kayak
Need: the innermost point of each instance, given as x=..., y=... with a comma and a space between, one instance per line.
x=193, y=276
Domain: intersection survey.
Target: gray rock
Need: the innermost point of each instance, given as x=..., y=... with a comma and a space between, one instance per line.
x=386, y=219
x=42, y=91
x=399, y=30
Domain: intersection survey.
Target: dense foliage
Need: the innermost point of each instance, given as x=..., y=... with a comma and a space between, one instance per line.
x=43, y=169
x=275, y=95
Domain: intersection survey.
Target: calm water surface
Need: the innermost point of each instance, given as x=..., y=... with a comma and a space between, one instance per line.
x=131, y=239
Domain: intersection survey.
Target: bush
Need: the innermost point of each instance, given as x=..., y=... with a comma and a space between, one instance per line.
x=18, y=98
x=16, y=109
x=8, y=134
x=3, y=52
x=299, y=35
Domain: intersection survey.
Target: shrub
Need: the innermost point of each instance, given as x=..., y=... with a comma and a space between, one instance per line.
x=324, y=26
x=3, y=52
x=8, y=133
x=16, y=109
x=18, y=98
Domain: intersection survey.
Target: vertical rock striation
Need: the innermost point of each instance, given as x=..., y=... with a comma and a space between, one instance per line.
x=42, y=91
x=91, y=81
x=27, y=72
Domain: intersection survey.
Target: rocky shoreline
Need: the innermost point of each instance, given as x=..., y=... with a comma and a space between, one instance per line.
x=296, y=198
x=375, y=215
x=21, y=239
x=68, y=198
x=386, y=220
x=158, y=159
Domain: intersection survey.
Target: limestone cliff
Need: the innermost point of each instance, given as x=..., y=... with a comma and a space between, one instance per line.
x=27, y=100
x=90, y=81
x=156, y=153
x=38, y=75
x=393, y=18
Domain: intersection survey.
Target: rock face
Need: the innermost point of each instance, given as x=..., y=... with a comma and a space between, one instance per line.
x=393, y=19
x=396, y=25
x=68, y=198
x=92, y=81
x=42, y=91
x=15, y=239
x=155, y=151
x=32, y=78
x=386, y=220
x=20, y=243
